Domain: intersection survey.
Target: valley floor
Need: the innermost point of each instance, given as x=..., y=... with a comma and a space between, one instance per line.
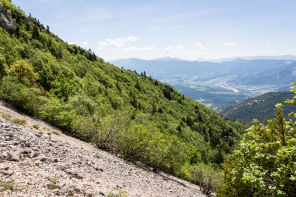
x=44, y=162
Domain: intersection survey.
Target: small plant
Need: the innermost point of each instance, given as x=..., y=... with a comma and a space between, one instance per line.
x=48, y=133
x=56, y=132
x=208, y=178
x=19, y=121
x=6, y=116
x=52, y=180
x=36, y=126
x=8, y=185
x=122, y=193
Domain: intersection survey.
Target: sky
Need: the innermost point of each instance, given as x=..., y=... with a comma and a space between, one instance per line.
x=185, y=29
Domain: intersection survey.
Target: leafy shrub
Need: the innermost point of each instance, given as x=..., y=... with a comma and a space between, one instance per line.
x=208, y=178
x=264, y=164
x=133, y=142
x=28, y=99
x=101, y=131
x=3, y=67
x=83, y=105
x=59, y=114
x=24, y=72
x=36, y=126
x=63, y=88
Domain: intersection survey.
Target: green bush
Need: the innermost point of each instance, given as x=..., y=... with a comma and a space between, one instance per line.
x=59, y=114
x=264, y=164
x=132, y=143
x=27, y=99
x=101, y=131
x=208, y=178
x=36, y=126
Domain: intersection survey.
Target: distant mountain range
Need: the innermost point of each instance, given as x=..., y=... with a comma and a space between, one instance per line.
x=219, y=84
x=278, y=57
x=260, y=107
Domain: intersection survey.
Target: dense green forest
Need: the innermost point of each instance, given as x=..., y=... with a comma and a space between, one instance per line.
x=122, y=111
x=260, y=107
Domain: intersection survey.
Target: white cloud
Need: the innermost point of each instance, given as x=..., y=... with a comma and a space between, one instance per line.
x=85, y=43
x=72, y=43
x=229, y=44
x=132, y=38
x=170, y=48
x=117, y=43
x=199, y=45
x=149, y=48
x=179, y=47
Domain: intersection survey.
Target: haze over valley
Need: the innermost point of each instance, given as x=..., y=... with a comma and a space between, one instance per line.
x=218, y=85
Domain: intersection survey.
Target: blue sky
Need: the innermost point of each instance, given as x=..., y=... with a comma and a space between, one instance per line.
x=186, y=29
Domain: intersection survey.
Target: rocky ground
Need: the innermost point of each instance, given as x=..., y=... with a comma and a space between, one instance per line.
x=38, y=160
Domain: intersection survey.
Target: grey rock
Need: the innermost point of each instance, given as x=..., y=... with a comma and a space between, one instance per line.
x=53, y=186
x=41, y=158
x=47, y=175
x=13, y=156
x=34, y=154
x=62, y=184
x=77, y=175
x=38, y=134
x=62, y=166
x=3, y=167
x=7, y=172
x=14, y=143
x=88, y=193
x=23, y=150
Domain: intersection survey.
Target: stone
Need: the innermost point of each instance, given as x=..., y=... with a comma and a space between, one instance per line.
x=34, y=154
x=3, y=166
x=53, y=186
x=14, y=143
x=7, y=172
x=77, y=175
x=14, y=156
x=41, y=158
x=62, y=184
x=62, y=166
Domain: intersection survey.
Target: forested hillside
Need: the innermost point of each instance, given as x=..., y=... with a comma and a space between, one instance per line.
x=119, y=110
x=259, y=107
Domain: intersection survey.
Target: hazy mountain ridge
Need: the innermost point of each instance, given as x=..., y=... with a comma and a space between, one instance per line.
x=232, y=81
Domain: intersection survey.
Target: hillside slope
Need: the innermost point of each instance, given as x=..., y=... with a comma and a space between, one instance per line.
x=260, y=107
x=129, y=114
x=35, y=163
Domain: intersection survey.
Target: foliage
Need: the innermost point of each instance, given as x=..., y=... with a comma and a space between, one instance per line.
x=63, y=88
x=3, y=68
x=205, y=176
x=21, y=70
x=264, y=164
x=7, y=185
x=36, y=126
x=19, y=121
x=132, y=115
